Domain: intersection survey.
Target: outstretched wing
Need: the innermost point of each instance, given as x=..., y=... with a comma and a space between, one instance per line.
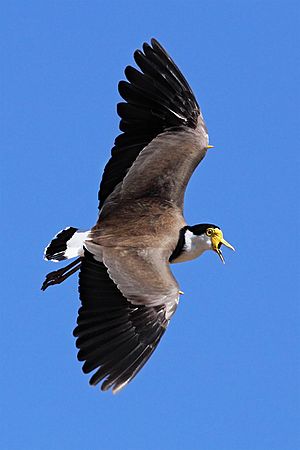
x=116, y=337
x=156, y=99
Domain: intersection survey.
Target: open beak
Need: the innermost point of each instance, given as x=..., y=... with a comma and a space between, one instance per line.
x=217, y=240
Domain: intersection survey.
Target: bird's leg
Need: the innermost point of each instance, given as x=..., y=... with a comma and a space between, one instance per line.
x=58, y=276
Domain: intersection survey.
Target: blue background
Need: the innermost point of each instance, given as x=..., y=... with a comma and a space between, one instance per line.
x=226, y=375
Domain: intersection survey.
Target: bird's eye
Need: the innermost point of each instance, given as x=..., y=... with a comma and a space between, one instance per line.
x=209, y=232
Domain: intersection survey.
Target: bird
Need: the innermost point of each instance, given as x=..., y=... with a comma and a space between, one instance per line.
x=127, y=291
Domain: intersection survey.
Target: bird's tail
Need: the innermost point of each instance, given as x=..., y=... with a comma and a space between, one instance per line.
x=67, y=244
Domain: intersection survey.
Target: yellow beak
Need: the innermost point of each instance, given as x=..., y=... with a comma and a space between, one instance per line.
x=217, y=240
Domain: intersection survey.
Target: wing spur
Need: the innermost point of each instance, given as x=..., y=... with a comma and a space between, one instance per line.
x=156, y=98
x=114, y=337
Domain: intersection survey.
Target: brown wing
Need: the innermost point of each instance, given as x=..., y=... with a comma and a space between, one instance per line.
x=115, y=338
x=164, y=167
x=156, y=99
x=143, y=275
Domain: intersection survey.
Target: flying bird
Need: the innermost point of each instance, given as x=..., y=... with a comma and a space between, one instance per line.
x=128, y=293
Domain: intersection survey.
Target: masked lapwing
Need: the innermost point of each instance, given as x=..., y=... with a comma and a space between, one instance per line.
x=128, y=293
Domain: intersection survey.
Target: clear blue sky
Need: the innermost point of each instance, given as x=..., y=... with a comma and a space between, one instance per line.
x=226, y=374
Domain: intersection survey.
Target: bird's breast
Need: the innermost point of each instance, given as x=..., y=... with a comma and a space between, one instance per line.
x=193, y=246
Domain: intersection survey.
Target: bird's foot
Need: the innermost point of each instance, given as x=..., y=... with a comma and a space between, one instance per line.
x=58, y=276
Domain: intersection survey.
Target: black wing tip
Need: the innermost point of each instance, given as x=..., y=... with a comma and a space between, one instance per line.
x=156, y=66
x=157, y=45
x=157, y=92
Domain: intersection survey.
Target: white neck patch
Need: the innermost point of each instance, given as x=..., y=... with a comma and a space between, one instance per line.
x=194, y=246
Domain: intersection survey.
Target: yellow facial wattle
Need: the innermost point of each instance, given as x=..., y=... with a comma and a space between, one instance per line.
x=217, y=240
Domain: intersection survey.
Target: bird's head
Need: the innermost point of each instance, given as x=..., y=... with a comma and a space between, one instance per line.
x=196, y=239
x=215, y=235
